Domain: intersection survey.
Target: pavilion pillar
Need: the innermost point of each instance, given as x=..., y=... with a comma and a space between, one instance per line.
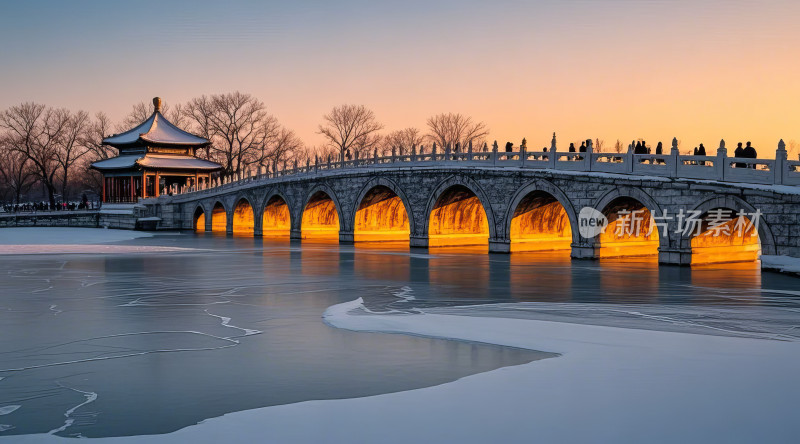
x=133, y=191
x=104, y=188
x=157, y=185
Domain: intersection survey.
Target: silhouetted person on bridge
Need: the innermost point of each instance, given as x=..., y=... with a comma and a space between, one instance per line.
x=659, y=148
x=583, y=147
x=701, y=151
x=347, y=154
x=571, y=147
x=509, y=147
x=750, y=153
x=739, y=152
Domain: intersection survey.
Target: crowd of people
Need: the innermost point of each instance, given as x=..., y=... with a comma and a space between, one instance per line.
x=34, y=207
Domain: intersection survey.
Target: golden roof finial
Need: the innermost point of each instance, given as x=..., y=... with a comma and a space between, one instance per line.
x=157, y=103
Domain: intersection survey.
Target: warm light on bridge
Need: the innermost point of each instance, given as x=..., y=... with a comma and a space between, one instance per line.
x=199, y=220
x=733, y=241
x=458, y=218
x=219, y=219
x=276, y=220
x=540, y=223
x=243, y=220
x=381, y=217
x=320, y=218
x=628, y=233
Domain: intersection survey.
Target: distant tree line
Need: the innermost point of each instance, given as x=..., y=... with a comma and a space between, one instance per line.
x=46, y=153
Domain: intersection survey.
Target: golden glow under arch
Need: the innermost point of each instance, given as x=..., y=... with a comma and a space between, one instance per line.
x=199, y=220
x=320, y=218
x=219, y=219
x=734, y=241
x=381, y=216
x=243, y=218
x=458, y=218
x=276, y=221
x=628, y=235
x=540, y=223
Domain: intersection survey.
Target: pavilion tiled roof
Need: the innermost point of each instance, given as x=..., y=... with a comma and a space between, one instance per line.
x=156, y=130
x=160, y=161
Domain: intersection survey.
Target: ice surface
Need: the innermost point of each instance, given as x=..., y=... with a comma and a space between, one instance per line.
x=65, y=236
x=56, y=240
x=609, y=385
x=5, y=410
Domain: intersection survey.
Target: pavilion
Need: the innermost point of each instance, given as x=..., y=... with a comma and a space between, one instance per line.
x=155, y=153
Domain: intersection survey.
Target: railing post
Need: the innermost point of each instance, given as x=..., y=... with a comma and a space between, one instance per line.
x=394, y=154
x=720, y=163
x=589, y=154
x=433, y=152
x=494, y=153
x=414, y=152
x=629, y=160
x=469, y=151
x=553, y=156
x=316, y=164
x=674, y=158
x=447, y=153
x=781, y=158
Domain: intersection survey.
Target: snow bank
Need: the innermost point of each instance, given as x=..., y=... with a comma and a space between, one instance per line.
x=785, y=264
x=609, y=385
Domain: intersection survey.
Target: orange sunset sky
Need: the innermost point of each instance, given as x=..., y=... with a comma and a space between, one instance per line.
x=610, y=69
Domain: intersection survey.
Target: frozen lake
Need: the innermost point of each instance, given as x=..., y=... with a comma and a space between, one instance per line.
x=148, y=340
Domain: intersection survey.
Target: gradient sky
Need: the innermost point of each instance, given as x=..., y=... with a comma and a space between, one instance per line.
x=699, y=70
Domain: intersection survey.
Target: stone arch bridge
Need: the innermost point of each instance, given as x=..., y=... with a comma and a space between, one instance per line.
x=501, y=201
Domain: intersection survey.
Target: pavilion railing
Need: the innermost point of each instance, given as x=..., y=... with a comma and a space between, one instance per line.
x=720, y=167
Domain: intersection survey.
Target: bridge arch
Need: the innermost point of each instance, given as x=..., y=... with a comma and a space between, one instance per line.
x=382, y=211
x=459, y=213
x=321, y=216
x=199, y=218
x=541, y=217
x=626, y=198
x=243, y=216
x=735, y=245
x=219, y=218
x=277, y=217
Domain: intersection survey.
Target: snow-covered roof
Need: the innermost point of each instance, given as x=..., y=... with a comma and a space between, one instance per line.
x=156, y=130
x=177, y=162
x=115, y=163
x=163, y=161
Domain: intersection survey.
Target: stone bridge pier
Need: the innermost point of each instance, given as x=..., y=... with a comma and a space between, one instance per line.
x=507, y=209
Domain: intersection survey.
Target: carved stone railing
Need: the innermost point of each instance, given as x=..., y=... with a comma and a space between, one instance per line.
x=777, y=171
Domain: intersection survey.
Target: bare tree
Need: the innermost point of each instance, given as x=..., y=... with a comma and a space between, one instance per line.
x=451, y=129
x=598, y=145
x=618, y=146
x=15, y=171
x=349, y=127
x=35, y=131
x=242, y=132
x=72, y=145
x=286, y=146
x=404, y=139
x=99, y=129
